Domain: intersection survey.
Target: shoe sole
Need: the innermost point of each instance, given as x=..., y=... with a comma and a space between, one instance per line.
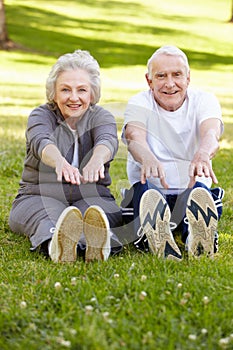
x=203, y=219
x=69, y=229
x=155, y=220
x=96, y=230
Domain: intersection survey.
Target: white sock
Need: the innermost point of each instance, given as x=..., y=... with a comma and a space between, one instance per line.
x=49, y=247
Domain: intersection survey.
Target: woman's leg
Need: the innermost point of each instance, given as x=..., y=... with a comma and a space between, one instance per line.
x=35, y=217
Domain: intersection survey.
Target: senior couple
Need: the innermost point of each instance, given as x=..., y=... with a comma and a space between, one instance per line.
x=64, y=204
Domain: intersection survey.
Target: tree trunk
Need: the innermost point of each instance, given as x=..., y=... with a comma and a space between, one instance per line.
x=231, y=19
x=5, y=42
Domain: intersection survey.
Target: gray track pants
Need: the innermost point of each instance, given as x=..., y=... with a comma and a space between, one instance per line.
x=35, y=215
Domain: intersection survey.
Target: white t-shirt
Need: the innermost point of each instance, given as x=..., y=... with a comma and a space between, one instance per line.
x=75, y=161
x=172, y=136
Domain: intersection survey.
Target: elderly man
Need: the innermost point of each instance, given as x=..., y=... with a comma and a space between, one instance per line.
x=172, y=132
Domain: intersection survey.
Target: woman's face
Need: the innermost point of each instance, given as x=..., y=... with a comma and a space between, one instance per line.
x=73, y=92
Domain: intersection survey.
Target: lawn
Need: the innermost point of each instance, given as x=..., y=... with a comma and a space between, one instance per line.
x=132, y=301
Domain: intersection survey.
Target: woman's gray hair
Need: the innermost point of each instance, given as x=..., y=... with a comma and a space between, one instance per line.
x=170, y=51
x=78, y=59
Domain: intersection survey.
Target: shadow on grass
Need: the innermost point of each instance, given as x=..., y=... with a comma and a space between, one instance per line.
x=44, y=34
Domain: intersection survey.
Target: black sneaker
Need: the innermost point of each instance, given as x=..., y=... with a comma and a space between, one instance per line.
x=142, y=242
x=202, y=218
x=155, y=226
x=215, y=241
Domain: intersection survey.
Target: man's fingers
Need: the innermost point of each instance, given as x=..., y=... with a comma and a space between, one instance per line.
x=162, y=178
x=192, y=182
x=164, y=183
x=191, y=170
x=213, y=177
x=143, y=178
x=153, y=171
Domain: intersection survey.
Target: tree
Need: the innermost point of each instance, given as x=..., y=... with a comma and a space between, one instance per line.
x=231, y=19
x=5, y=42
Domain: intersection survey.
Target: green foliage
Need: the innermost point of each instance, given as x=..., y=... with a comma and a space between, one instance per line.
x=132, y=301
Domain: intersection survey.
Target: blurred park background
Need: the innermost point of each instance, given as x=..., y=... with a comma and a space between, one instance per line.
x=121, y=35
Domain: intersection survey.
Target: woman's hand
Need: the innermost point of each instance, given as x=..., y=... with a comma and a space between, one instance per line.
x=69, y=172
x=92, y=172
x=52, y=157
x=94, y=169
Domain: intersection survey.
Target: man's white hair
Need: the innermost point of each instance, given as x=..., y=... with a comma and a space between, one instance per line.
x=170, y=51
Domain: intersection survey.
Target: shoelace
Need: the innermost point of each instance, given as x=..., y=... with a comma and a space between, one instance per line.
x=141, y=233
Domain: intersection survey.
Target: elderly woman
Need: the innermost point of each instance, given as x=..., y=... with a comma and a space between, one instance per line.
x=64, y=204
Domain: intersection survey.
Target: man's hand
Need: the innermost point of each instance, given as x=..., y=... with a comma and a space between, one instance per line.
x=201, y=166
x=210, y=131
x=151, y=167
x=136, y=136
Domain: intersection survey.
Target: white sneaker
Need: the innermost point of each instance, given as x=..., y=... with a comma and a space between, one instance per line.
x=97, y=234
x=69, y=227
x=155, y=217
x=202, y=218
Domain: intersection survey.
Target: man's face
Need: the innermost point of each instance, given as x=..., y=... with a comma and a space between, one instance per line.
x=169, y=81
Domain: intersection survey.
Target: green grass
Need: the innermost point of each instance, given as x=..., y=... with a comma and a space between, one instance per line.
x=101, y=306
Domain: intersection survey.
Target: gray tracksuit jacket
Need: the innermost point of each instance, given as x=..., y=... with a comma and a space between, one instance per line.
x=47, y=126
